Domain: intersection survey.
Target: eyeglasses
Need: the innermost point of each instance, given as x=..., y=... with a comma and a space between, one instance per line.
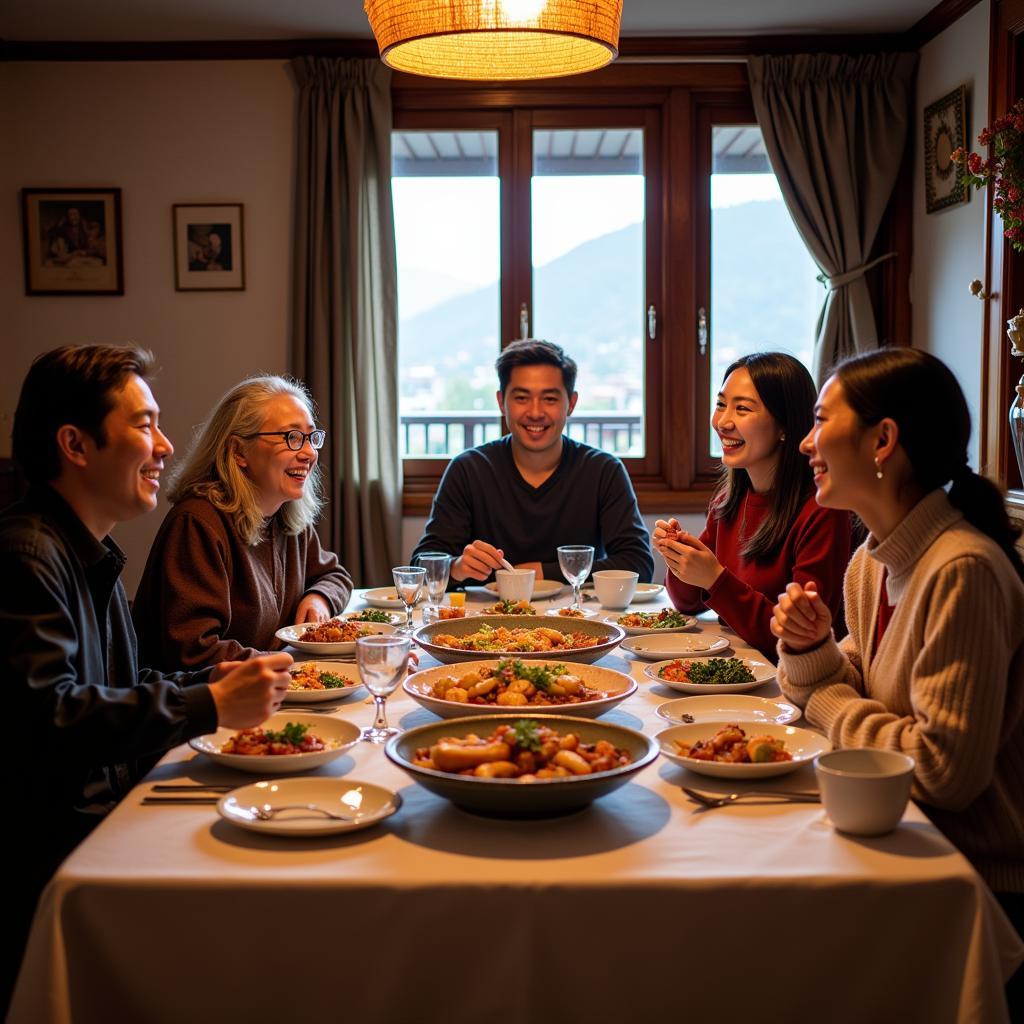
x=295, y=439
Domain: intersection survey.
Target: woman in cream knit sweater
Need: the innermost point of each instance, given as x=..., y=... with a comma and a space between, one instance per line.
x=934, y=661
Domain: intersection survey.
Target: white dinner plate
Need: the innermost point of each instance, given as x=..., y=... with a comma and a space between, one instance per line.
x=336, y=732
x=394, y=618
x=384, y=597
x=293, y=635
x=339, y=668
x=588, y=613
x=728, y=708
x=661, y=646
x=647, y=592
x=365, y=803
x=763, y=673
x=802, y=744
x=616, y=617
x=542, y=589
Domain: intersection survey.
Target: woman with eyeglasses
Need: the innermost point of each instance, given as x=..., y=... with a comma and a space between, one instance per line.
x=237, y=556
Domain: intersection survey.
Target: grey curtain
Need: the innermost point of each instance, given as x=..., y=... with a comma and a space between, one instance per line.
x=835, y=128
x=344, y=337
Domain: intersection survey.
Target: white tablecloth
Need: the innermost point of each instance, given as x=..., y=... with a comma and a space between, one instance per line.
x=636, y=908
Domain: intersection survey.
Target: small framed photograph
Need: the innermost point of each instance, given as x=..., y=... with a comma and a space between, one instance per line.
x=209, y=248
x=72, y=241
x=945, y=130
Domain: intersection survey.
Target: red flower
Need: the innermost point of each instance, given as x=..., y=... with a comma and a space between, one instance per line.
x=974, y=163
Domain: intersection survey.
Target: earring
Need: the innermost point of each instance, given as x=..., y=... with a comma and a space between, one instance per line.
x=781, y=439
x=878, y=469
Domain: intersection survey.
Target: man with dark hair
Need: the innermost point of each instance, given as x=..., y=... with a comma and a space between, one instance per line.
x=85, y=718
x=522, y=496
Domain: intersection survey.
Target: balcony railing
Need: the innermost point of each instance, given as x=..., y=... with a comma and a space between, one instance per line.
x=438, y=434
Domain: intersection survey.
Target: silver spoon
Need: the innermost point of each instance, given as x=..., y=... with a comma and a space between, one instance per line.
x=269, y=813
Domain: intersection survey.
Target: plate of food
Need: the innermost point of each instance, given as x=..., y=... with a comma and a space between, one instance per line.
x=568, y=612
x=542, y=589
x=579, y=640
x=300, y=807
x=288, y=741
x=711, y=675
x=538, y=687
x=375, y=615
x=666, y=620
x=335, y=636
x=518, y=766
x=510, y=608
x=730, y=750
x=652, y=647
x=384, y=597
x=316, y=681
x=727, y=707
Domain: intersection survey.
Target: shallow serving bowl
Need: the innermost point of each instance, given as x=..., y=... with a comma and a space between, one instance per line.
x=609, y=637
x=508, y=797
x=336, y=731
x=616, y=686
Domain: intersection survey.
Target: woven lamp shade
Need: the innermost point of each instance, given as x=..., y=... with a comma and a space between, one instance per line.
x=492, y=40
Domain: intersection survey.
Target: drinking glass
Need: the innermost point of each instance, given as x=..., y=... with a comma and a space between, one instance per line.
x=409, y=581
x=575, y=561
x=438, y=565
x=382, y=661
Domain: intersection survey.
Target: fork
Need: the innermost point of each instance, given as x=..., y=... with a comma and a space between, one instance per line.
x=714, y=800
x=269, y=813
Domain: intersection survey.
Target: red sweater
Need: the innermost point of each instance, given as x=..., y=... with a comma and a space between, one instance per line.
x=817, y=548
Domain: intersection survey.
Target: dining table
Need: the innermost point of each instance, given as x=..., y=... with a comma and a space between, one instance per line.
x=642, y=906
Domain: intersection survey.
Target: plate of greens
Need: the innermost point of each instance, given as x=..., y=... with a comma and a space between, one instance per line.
x=711, y=675
x=317, y=681
x=665, y=620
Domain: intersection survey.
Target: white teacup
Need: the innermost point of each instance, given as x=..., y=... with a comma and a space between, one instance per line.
x=615, y=587
x=515, y=584
x=865, y=791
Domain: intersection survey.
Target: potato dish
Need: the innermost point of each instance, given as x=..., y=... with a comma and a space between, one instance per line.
x=541, y=638
x=527, y=751
x=335, y=631
x=731, y=744
x=309, y=677
x=448, y=612
x=516, y=684
x=510, y=608
x=292, y=738
x=572, y=613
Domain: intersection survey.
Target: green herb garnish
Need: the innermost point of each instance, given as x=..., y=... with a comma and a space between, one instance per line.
x=719, y=671
x=372, y=615
x=542, y=677
x=527, y=737
x=331, y=681
x=293, y=732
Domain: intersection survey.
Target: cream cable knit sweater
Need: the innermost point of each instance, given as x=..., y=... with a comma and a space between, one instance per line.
x=946, y=684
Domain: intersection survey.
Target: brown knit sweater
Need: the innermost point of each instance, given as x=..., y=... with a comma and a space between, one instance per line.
x=946, y=684
x=207, y=596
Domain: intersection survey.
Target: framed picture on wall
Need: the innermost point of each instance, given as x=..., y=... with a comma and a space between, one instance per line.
x=945, y=130
x=209, y=249
x=72, y=241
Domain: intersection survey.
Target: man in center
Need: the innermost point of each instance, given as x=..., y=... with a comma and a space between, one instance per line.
x=534, y=489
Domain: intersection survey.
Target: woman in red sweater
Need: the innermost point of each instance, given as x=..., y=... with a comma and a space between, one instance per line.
x=764, y=527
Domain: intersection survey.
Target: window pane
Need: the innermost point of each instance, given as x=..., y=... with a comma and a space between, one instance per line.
x=447, y=224
x=764, y=291
x=588, y=274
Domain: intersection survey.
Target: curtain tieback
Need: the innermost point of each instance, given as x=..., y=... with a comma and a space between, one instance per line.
x=834, y=283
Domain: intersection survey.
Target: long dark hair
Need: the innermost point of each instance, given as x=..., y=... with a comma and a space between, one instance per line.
x=787, y=391
x=921, y=394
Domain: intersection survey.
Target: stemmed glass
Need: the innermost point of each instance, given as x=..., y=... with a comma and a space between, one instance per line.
x=575, y=561
x=382, y=660
x=437, y=565
x=409, y=581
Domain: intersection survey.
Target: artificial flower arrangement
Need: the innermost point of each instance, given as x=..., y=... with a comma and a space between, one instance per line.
x=1004, y=168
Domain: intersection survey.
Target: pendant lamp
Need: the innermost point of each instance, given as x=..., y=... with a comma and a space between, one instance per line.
x=496, y=39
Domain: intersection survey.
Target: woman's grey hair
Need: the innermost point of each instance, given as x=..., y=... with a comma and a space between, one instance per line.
x=209, y=469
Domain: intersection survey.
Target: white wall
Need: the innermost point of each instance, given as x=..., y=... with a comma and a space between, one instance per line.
x=949, y=244
x=163, y=132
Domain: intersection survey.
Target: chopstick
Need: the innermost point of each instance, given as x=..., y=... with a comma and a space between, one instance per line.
x=207, y=800
x=191, y=787
x=508, y=565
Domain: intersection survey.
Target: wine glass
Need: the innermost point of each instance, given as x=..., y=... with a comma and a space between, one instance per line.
x=409, y=584
x=575, y=561
x=382, y=660
x=438, y=565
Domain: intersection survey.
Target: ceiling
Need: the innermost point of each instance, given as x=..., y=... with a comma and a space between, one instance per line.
x=186, y=20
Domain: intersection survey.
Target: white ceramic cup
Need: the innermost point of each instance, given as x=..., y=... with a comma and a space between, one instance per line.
x=515, y=584
x=865, y=791
x=615, y=587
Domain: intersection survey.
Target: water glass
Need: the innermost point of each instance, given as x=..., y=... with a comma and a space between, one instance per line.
x=409, y=580
x=575, y=561
x=438, y=565
x=382, y=661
